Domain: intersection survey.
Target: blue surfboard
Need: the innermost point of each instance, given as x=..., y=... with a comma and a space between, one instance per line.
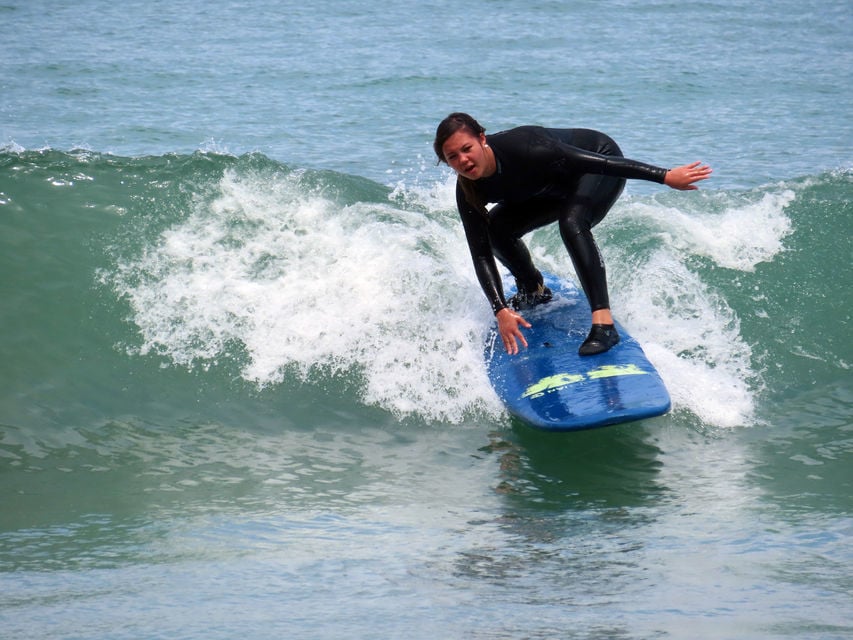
x=551, y=387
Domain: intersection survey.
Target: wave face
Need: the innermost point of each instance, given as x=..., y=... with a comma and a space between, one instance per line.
x=241, y=381
x=247, y=277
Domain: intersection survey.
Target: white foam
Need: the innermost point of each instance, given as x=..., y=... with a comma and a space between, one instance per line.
x=306, y=286
x=386, y=291
x=692, y=336
x=687, y=328
x=10, y=146
x=743, y=234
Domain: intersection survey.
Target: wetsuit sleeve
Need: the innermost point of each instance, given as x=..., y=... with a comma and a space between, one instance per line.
x=574, y=159
x=477, y=233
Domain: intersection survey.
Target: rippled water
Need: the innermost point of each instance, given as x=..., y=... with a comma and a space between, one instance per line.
x=242, y=392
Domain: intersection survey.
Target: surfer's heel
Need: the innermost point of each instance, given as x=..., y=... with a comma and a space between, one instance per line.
x=601, y=338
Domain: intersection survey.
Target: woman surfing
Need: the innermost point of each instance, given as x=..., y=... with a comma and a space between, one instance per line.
x=536, y=176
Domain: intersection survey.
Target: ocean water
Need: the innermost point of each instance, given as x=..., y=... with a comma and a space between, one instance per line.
x=241, y=381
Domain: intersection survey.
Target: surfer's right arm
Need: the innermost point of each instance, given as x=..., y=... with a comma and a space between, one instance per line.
x=476, y=227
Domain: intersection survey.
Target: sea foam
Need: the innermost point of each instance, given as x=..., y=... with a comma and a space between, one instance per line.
x=271, y=270
x=311, y=288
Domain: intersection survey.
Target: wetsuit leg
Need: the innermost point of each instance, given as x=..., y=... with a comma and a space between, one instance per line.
x=507, y=223
x=594, y=197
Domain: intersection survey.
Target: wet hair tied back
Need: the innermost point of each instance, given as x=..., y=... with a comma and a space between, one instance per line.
x=450, y=125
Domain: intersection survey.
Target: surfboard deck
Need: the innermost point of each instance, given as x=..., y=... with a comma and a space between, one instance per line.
x=549, y=386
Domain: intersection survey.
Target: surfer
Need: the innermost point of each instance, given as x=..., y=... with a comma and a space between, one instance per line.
x=536, y=176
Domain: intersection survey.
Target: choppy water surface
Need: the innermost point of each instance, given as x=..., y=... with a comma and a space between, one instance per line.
x=242, y=392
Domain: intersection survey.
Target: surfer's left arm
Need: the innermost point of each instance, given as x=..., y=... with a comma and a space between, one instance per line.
x=567, y=161
x=575, y=159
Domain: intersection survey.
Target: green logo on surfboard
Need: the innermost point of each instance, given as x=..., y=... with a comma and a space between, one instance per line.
x=559, y=381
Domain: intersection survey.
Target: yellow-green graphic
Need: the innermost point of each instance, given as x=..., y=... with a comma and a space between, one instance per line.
x=613, y=370
x=550, y=384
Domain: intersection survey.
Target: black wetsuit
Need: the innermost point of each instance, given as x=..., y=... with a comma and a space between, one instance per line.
x=545, y=175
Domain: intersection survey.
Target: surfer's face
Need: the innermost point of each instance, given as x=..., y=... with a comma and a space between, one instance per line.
x=469, y=155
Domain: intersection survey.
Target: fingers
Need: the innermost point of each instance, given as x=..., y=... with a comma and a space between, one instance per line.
x=700, y=173
x=511, y=346
x=511, y=343
x=517, y=335
x=697, y=171
x=511, y=340
x=683, y=177
x=508, y=326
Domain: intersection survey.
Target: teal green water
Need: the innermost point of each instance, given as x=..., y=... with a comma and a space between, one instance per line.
x=241, y=380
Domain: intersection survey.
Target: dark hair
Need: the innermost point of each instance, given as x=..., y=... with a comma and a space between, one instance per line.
x=450, y=125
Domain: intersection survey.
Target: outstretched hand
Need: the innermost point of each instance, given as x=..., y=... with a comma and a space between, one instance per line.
x=508, y=326
x=682, y=178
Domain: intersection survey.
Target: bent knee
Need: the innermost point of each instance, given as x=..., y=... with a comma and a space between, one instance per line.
x=574, y=225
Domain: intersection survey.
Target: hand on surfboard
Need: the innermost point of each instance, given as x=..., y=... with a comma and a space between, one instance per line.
x=508, y=326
